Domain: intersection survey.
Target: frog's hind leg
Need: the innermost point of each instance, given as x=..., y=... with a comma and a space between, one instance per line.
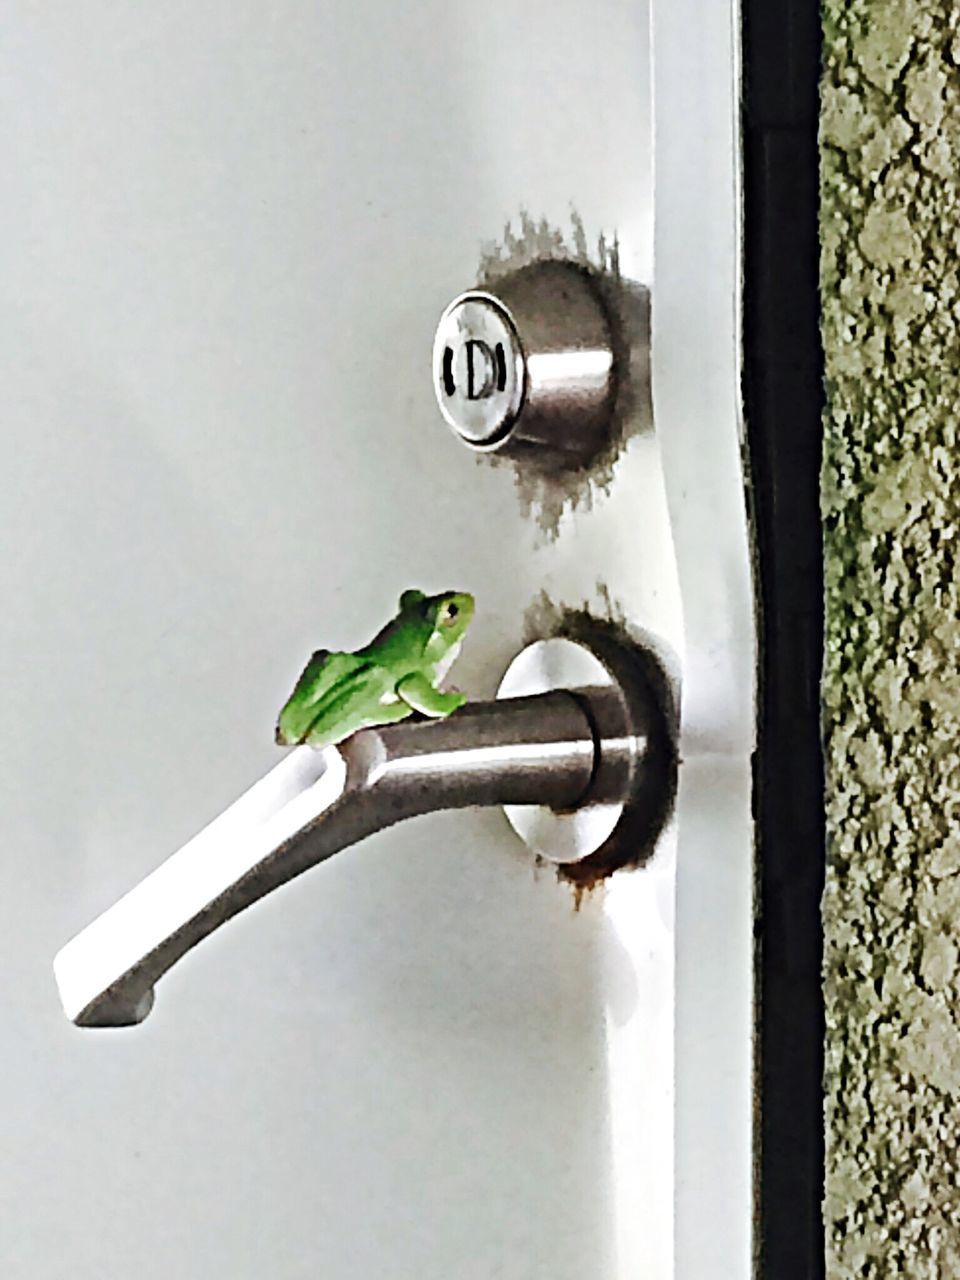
x=354, y=705
x=325, y=670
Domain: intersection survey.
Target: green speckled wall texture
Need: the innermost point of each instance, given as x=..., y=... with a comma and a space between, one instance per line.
x=890, y=234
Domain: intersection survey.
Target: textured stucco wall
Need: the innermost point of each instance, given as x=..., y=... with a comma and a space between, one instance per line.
x=890, y=154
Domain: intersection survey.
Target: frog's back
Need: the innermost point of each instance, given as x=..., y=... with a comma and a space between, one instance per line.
x=399, y=647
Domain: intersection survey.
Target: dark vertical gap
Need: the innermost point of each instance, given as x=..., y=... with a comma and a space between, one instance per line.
x=783, y=397
x=501, y=366
x=448, y=384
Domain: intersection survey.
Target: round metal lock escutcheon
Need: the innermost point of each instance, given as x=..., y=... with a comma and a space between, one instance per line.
x=528, y=371
x=631, y=788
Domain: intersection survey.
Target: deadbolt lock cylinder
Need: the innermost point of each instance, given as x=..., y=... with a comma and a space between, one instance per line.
x=528, y=370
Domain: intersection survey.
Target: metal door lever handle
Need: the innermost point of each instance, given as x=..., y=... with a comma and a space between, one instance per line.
x=562, y=749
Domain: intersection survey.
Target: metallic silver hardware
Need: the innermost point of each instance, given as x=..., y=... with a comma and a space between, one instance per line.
x=479, y=369
x=631, y=760
x=558, y=748
x=528, y=371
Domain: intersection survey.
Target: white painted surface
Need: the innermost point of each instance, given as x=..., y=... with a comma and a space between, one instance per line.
x=697, y=406
x=226, y=237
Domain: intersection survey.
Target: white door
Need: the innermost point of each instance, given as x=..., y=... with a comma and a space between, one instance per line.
x=227, y=233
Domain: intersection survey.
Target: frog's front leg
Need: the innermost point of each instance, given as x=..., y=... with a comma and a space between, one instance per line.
x=417, y=692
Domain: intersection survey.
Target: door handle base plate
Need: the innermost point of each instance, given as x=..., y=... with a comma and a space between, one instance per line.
x=630, y=794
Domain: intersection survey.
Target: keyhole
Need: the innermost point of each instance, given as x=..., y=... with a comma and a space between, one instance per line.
x=480, y=369
x=485, y=370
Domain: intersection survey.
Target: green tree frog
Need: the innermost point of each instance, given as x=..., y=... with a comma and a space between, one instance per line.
x=396, y=674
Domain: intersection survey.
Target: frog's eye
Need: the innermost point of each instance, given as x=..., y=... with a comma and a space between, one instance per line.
x=448, y=613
